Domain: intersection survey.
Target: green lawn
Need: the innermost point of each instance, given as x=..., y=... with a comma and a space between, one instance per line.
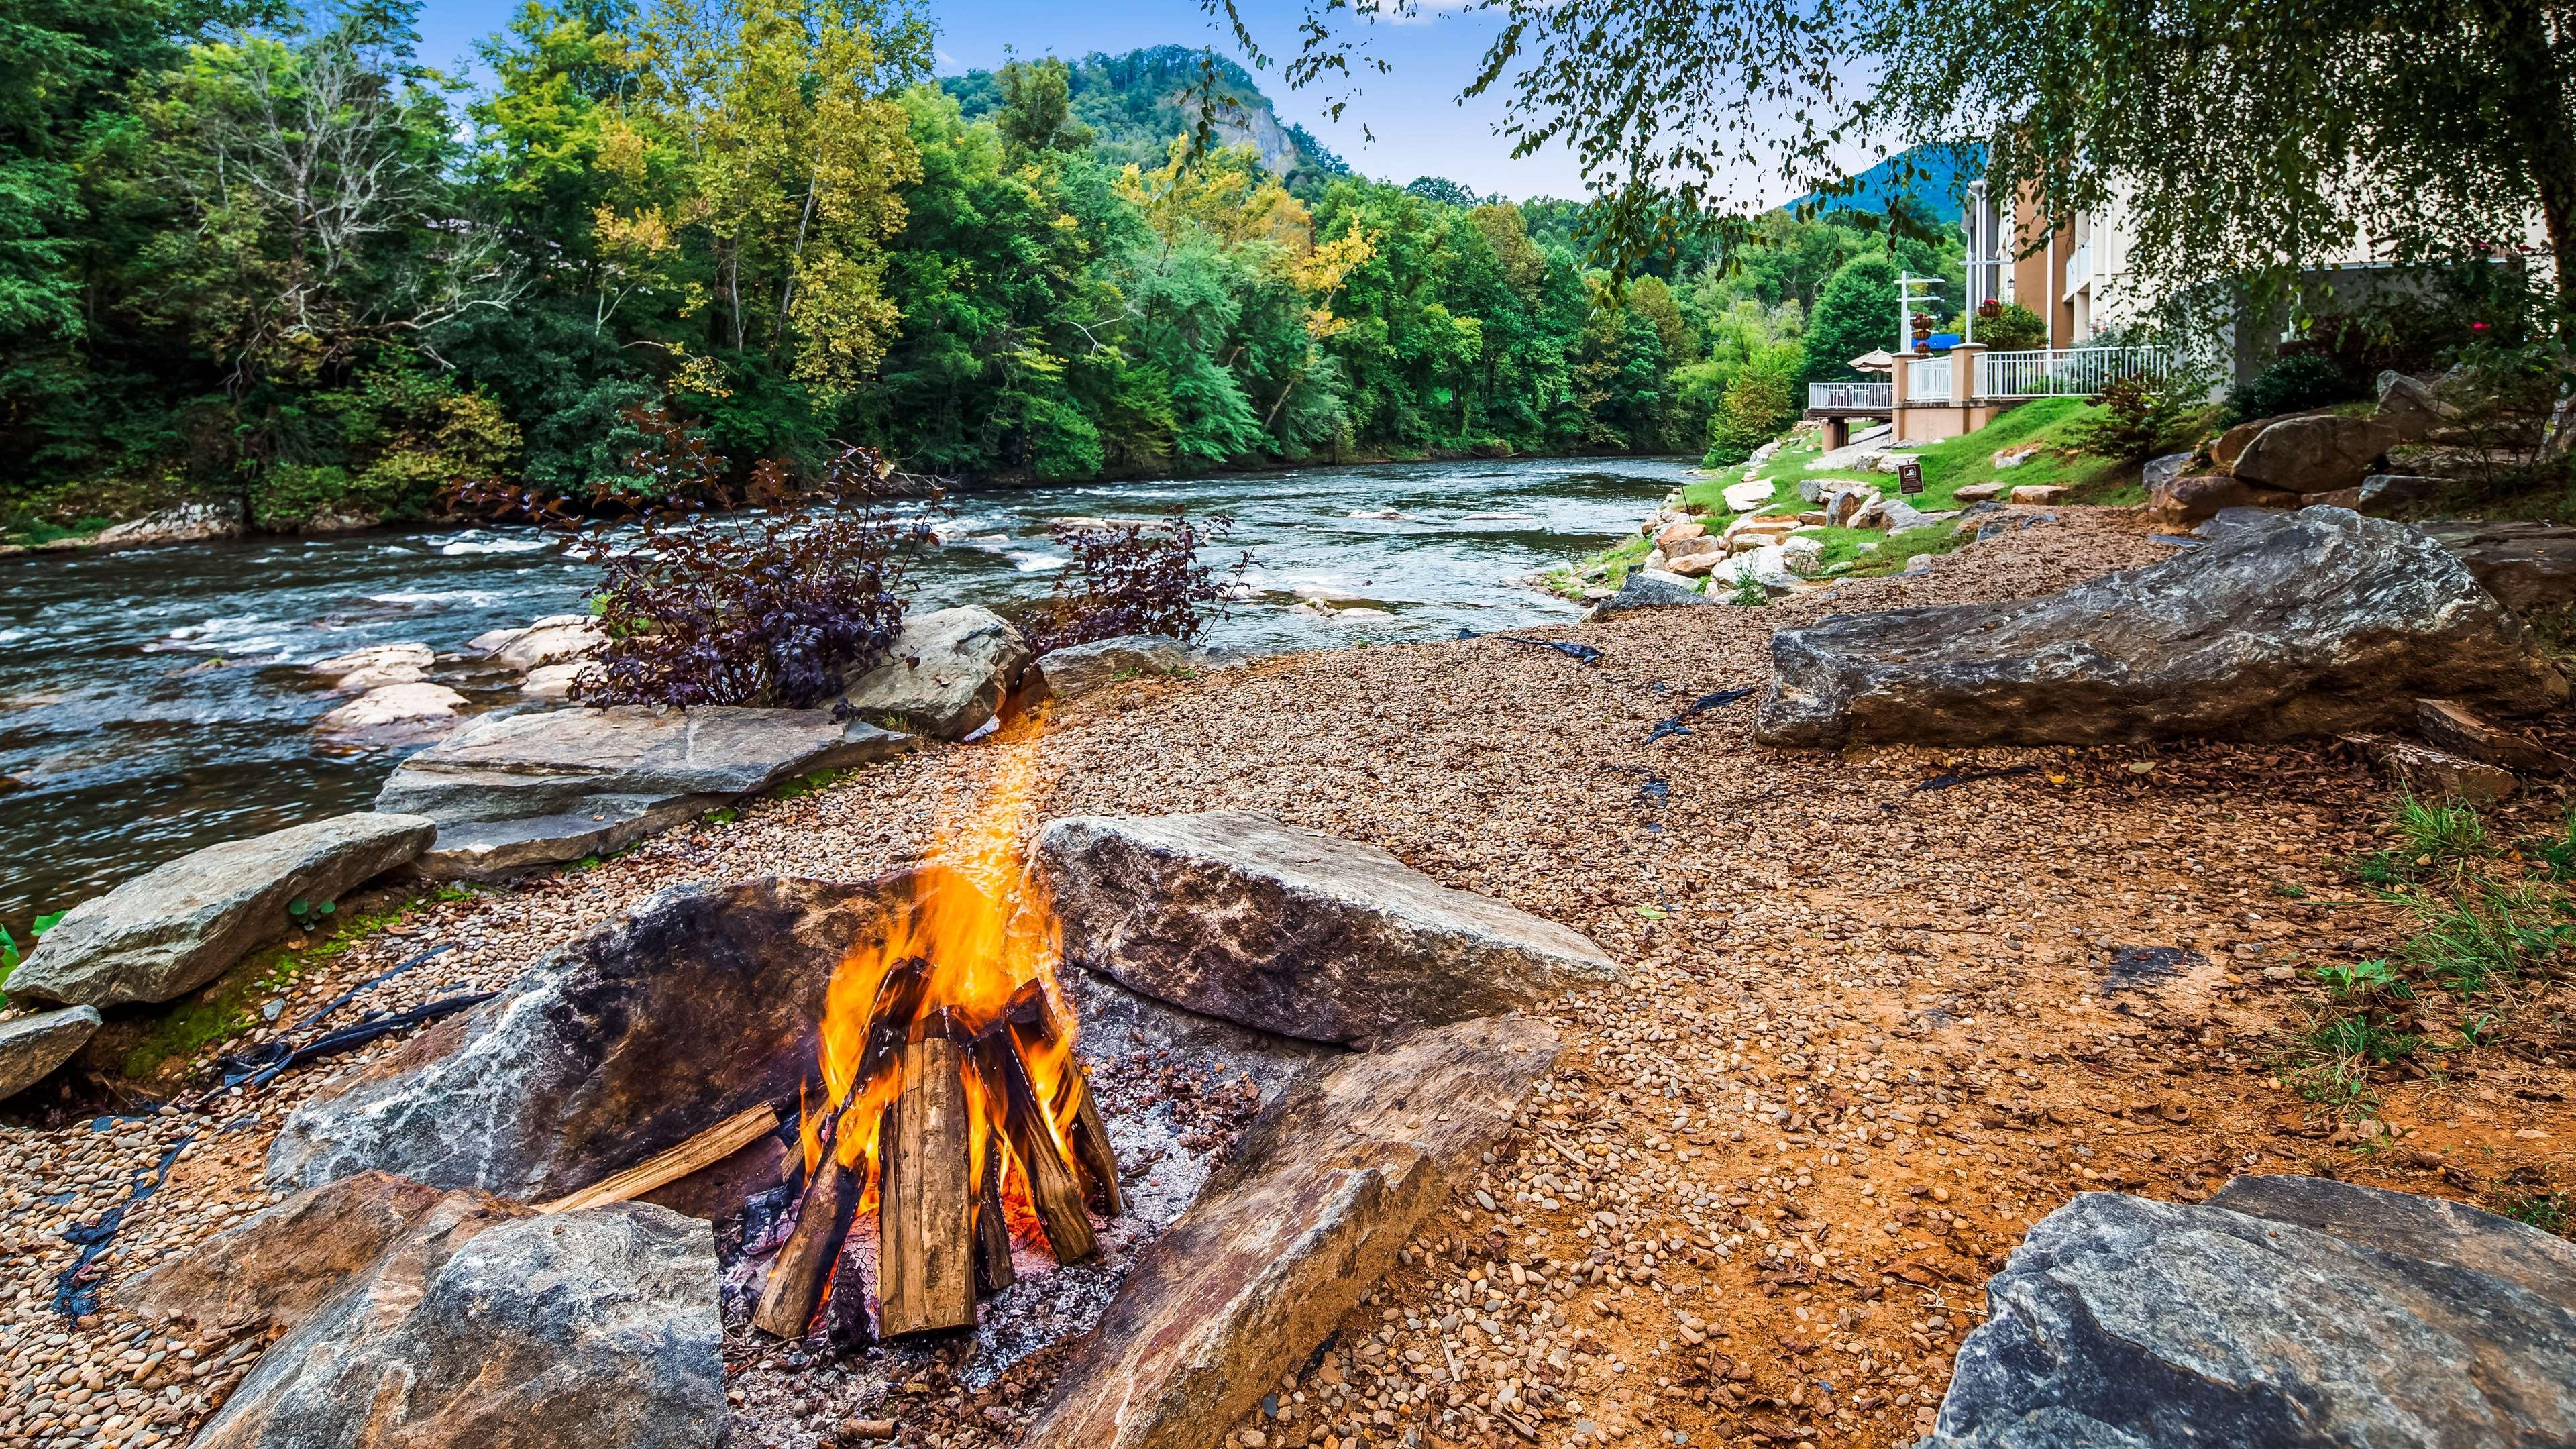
x=1947, y=467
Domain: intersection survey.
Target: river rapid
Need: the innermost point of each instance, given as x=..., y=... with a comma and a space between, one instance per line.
x=156, y=701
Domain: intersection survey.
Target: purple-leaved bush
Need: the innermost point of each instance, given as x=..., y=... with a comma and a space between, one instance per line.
x=1134, y=578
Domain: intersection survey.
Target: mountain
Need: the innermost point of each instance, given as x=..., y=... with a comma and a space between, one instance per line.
x=1947, y=172
x=1136, y=103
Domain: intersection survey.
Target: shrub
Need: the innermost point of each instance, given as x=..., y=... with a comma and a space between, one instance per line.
x=772, y=609
x=2293, y=384
x=2140, y=417
x=1134, y=578
x=2014, y=328
x=1760, y=404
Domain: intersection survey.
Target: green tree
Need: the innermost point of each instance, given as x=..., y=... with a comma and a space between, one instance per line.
x=1855, y=314
x=1037, y=109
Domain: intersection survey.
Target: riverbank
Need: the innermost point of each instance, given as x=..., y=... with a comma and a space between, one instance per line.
x=1795, y=924
x=156, y=701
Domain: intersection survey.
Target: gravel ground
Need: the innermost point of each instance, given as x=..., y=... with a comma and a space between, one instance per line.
x=1876, y=1028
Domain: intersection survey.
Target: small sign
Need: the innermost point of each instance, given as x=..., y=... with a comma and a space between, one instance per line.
x=1909, y=479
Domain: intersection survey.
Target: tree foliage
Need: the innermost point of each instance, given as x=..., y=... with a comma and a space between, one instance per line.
x=300, y=269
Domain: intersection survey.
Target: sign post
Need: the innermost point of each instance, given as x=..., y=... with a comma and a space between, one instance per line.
x=1909, y=478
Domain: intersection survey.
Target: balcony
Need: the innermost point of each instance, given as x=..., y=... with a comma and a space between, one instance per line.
x=1851, y=397
x=1928, y=381
x=2061, y=371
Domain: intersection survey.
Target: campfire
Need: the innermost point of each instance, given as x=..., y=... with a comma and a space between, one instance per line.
x=947, y=1107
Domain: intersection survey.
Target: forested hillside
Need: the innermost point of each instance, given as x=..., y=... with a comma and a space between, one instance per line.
x=282, y=262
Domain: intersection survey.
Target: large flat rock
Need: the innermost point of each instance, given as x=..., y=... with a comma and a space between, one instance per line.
x=32, y=1045
x=626, y=1042
x=1285, y=1239
x=178, y=926
x=944, y=675
x=2285, y=1312
x=1293, y=931
x=597, y=1328
x=512, y=792
x=2314, y=622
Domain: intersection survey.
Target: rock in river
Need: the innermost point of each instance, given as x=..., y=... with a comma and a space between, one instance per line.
x=524, y=790
x=626, y=1042
x=944, y=676
x=1293, y=931
x=31, y=1046
x=180, y=925
x=2314, y=622
x=1283, y=1241
x=2294, y=1313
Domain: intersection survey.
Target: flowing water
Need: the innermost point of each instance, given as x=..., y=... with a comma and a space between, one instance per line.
x=155, y=701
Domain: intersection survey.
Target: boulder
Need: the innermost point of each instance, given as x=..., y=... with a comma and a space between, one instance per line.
x=1287, y=1237
x=551, y=681
x=1767, y=566
x=554, y=639
x=186, y=523
x=2163, y=469
x=1651, y=589
x=2317, y=453
x=1673, y=533
x=2526, y=564
x=1079, y=669
x=2039, y=494
x=1748, y=495
x=177, y=927
x=2411, y=408
x=276, y=1268
x=1682, y=548
x=516, y=791
x=33, y=1045
x=1694, y=565
x=364, y=669
x=2383, y=493
x=1801, y=554
x=2316, y=622
x=1842, y=504
x=945, y=674
x=598, y=1328
x=2190, y=498
x=2231, y=444
x=603, y=1053
x=1293, y=931
x=1979, y=492
x=406, y=707
x=2294, y=1313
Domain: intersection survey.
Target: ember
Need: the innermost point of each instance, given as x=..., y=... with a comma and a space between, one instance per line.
x=947, y=1101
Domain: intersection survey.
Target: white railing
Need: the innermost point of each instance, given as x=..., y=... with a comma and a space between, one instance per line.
x=2052, y=371
x=1850, y=397
x=1928, y=380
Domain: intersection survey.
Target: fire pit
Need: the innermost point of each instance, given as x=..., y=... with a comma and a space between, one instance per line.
x=948, y=1102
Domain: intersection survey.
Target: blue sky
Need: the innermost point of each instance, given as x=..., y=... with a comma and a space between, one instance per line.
x=1414, y=125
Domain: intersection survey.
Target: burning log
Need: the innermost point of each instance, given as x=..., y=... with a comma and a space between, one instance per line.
x=993, y=1271
x=705, y=1150
x=1034, y=1027
x=804, y=1265
x=926, y=1197
x=1024, y=1122
x=845, y=1315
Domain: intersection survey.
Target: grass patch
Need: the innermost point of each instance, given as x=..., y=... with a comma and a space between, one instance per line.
x=1607, y=569
x=229, y=1007
x=2547, y=1211
x=2453, y=986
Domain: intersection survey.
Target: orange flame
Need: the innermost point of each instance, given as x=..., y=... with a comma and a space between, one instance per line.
x=981, y=932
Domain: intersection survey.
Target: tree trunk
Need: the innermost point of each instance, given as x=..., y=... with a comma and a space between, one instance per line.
x=2538, y=102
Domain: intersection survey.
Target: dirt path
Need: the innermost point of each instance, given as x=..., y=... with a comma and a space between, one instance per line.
x=1877, y=1024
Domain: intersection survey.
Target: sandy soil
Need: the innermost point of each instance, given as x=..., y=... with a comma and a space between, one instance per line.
x=1876, y=1027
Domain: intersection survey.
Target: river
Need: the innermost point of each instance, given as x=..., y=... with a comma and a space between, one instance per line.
x=155, y=701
